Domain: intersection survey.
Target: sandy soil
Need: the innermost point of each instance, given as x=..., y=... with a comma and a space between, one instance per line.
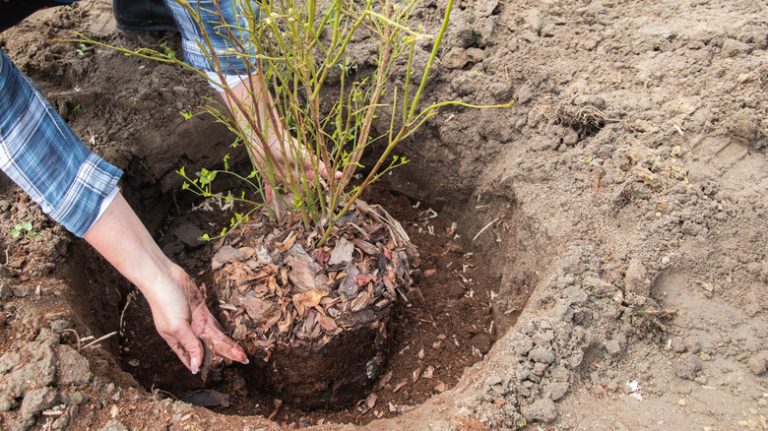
x=625, y=192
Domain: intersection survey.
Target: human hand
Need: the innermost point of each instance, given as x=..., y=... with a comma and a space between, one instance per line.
x=183, y=321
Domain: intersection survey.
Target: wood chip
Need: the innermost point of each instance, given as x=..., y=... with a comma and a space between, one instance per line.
x=342, y=253
x=385, y=379
x=428, y=373
x=416, y=374
x=399, y=386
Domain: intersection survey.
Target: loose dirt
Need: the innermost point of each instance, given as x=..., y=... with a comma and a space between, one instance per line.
x=615, y=216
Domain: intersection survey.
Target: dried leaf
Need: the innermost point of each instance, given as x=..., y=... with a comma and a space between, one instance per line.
x=342, y=253
x=303, y=268
x=241, y=330
x=284, y=325
x=308, y=299
x=258, y=309
x=227, y=254
x=349, y=286
x=271, y=321
x=440, y=387
x=288, y=243
x=328, y=324
x=361, y=301
x=367, y=247
x=309, y=323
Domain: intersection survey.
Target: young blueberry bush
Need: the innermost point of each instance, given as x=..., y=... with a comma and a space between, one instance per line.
x=291, y=49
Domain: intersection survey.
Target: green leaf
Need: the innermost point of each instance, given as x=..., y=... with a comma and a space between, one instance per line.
x=205, y=237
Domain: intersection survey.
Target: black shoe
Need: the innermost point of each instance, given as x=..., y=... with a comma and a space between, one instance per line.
x=12, y=12
x=141, y=16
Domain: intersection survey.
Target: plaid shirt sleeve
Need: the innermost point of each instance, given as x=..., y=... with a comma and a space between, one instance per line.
x=43, y=156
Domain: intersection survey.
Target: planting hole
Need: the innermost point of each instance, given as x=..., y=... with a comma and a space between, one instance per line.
x=445, y=325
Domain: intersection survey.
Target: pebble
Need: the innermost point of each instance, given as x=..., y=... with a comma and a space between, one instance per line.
x=114, y=425
x=687, y=367
x=73, y=367
x=543, y=410
x=557, y=391
x=757, y=363
x=36, y=401
x=613, y=347
x=692, y=343
x=542, y=355
x=634, y=278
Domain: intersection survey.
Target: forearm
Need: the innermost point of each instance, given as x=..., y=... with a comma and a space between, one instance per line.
x=121, y=238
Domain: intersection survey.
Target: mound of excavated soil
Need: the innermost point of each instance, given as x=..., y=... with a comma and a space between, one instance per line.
x=612, y=221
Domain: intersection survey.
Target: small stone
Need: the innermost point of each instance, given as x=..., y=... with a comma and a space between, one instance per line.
x=114, y=425
x=502, y=92
x=73, y=367
x=61, y=325
x=5, y=290
x=556, y=391
x=524, y=346
x=574, y=295
x=733, y=48
x=189, y=235
x=9, y=361
x=687, y=367
x=482, y=342
x=677, y=345
x=693, y=344
x=36, y=401
x=539, y=368
x=542, y=355
x=613, y=347
x=7, y=402
x=634, y=278
x=758, y=363
x=543, y=410
x=534, y=20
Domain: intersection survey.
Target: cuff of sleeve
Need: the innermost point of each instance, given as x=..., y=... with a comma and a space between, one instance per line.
x=95, y=182
x=232, y=81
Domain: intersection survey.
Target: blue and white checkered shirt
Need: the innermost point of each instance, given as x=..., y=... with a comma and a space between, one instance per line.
x=43, y=156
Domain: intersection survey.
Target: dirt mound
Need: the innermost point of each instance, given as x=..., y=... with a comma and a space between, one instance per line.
x=618, y=209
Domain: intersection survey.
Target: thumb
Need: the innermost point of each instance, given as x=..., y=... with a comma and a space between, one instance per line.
x=192, y=347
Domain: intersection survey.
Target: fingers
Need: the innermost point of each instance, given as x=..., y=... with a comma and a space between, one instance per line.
x=187, y=347
x=225, y=347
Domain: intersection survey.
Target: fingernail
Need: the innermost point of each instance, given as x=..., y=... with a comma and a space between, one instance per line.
x=246, y=361
x=195, y=367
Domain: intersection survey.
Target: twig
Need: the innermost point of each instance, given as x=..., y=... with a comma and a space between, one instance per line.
x=485, y=228
x=128, y=300
x=100, y=339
